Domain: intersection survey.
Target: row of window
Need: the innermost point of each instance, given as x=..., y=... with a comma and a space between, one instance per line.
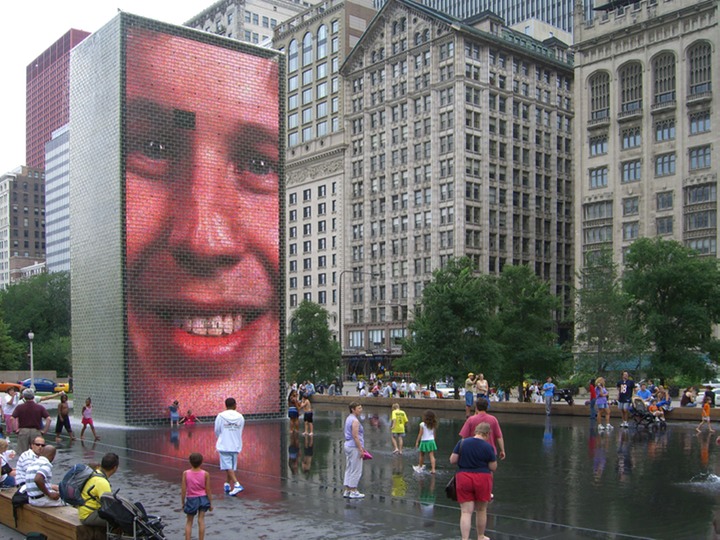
x=664, y=225
x=699, y=158
x=630, y=78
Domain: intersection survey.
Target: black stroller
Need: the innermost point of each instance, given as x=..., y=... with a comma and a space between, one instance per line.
x=129, y=520
x=643, y=418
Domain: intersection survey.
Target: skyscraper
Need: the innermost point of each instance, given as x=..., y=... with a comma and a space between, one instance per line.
x=47, y=99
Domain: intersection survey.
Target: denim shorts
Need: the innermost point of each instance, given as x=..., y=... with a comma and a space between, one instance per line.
x=195, y=504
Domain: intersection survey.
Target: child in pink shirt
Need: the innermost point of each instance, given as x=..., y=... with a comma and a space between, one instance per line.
x=195, y=495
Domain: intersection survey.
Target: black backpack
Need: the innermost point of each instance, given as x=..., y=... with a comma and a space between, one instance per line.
x=19, y=498
x=72, y=484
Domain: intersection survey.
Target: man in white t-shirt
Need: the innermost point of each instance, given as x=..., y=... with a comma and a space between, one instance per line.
x=229, y=426
x=412, y=389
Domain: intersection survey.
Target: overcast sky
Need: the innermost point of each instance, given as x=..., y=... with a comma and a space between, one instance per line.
x=29, y=27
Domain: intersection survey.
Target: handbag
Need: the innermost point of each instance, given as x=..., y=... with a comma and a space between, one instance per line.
x=451, y=488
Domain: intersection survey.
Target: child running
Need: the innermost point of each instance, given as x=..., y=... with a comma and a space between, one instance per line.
x=87, y=419
x=426, y=442
x=705, y=416
x=195, y=495
x=398, y=419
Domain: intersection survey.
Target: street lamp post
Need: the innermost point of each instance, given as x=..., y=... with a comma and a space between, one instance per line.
x=32, y=362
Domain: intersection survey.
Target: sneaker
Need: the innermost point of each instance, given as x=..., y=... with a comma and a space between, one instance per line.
x=601, y=428
x=237, y=489
x=346, y=494
x=227, y=487
x=418, y=468
x=356, y=495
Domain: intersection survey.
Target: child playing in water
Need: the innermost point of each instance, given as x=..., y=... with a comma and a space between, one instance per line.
x=195, y=495
x=174, y=413
x=306, y=407
x=189, y=419
x=87, y=419
x=705, y=416
x=426, y=442
x=398, y=419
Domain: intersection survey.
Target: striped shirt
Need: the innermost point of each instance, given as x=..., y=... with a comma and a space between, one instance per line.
x=23, y=462
x=43, y=466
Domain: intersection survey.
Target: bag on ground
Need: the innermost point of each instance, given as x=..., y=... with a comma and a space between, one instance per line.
x=73, y=482
x=19, y=498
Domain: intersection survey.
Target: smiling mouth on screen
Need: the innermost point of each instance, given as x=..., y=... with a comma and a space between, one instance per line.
x=214, y=325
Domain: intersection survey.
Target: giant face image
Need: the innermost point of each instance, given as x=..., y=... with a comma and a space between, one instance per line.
x=201, y=238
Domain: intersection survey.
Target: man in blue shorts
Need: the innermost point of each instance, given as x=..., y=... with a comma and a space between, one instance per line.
x=625, y=387
x=469, y=394
x=229, y=426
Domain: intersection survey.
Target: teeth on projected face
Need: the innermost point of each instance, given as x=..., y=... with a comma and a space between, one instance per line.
x=211, y=326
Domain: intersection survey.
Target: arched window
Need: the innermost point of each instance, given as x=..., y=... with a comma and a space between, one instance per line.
x=699, y=59
x=292, y=56
x=599, y=96
x=631, y=87
x=322, y=42
x=307, y=43
x=664, y=78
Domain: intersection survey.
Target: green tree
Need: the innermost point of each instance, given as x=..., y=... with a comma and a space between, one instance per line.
x=675, y=302
x=11, y=352
x=453, y=331
x=41, y=304
x=312, y=353
x=526, y=329
x=603, y=332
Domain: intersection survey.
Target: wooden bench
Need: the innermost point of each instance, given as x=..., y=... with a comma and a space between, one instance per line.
x=59, y=523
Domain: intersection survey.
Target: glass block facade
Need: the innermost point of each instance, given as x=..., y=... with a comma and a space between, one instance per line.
x=175, y=166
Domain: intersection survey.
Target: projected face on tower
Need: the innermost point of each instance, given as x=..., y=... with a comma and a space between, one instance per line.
x=202, y=194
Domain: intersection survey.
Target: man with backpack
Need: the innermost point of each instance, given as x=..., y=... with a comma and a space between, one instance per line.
x=96, y=485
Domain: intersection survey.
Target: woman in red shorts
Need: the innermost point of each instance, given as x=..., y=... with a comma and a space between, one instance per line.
x=476, y=462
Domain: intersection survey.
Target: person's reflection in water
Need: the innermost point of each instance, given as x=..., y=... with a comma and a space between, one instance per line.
x=399, y=485
x=624, y=457
x=548, y=435
x=175, y=437
x=308, y=454
x=427, y=499
x=293, y=452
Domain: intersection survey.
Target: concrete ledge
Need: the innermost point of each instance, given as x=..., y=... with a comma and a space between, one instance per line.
x=60, y=523
x=689, y=414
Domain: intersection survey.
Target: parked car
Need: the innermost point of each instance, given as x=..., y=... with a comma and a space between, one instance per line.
x=443, y=390
x=62, y=387
x=563, y=394
x=5, y=386
x=41, y=384
x=714, y=384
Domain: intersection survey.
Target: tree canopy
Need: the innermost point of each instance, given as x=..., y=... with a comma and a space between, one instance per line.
x=312, y=353
x=674, y=299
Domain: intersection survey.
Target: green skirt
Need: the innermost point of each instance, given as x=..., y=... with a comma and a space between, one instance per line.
x=428, y=446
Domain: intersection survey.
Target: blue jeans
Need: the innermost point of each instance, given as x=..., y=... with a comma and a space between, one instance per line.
x=593, y=411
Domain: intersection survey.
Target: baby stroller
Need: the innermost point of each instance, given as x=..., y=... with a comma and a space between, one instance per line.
x=643, y=417
x=129, y=520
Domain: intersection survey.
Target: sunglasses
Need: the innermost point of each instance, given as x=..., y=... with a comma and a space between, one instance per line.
x=38, y=444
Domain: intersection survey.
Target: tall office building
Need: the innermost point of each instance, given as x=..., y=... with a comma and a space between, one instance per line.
x=47, y=98
x=555, y=12
x=316, y=43
x=252, y=21
x=647, y=156
x=22, y=222
x=57, y=200
x=459, y=144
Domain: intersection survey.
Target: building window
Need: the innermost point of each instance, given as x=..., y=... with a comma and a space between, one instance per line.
x=599, y=96
x=664, y=78
x=292, y=56
x=665, y=164
x=307, y=56
x=665, y=130
x=704, y=246
x=321, y=42
x=630, y=230
x=598, y=177
x=631, y=138
x=664, y=225
x=631, y=87
x=700, y=158
x=630, y=206
x=699, y=122
x=631, y=171
x=701, y=194
x=599, y=145
x=701, y=220
x=665, y=200
x=699, y=57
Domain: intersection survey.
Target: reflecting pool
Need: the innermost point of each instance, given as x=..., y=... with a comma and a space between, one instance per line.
x=561, y=480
